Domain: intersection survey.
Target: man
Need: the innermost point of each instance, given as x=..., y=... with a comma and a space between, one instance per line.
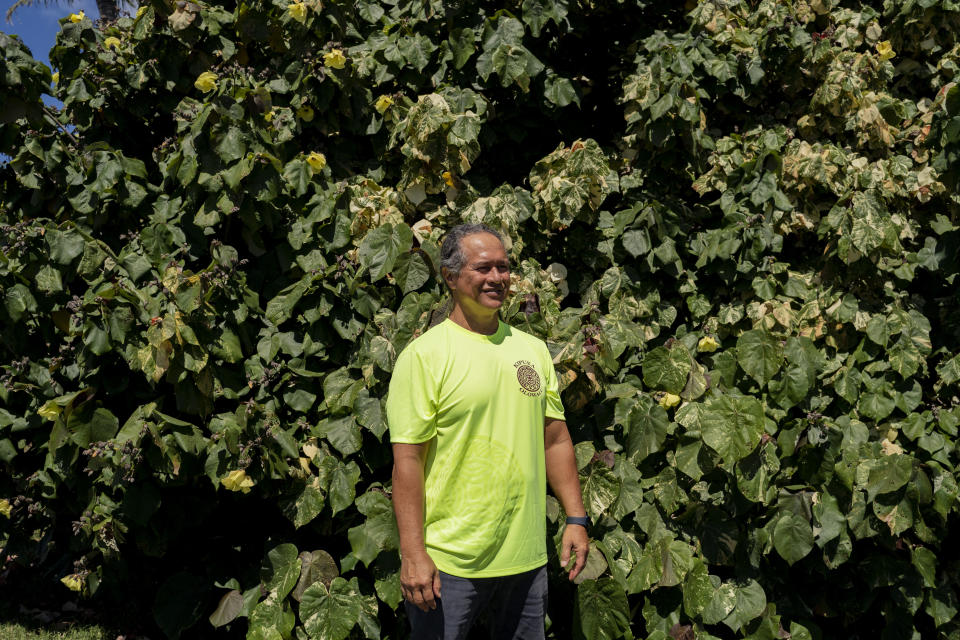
x=478, y=429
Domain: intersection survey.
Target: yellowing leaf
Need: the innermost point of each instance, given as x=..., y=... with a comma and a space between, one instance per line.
x=5, y=508
x=335, y=59
x=206, y=81
x=890, y=448
x=237, y=480
x=56, y=77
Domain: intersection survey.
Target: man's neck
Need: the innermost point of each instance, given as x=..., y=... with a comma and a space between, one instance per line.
x=486, y=324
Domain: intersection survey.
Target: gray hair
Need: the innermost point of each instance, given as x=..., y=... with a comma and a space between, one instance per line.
x=451, y=251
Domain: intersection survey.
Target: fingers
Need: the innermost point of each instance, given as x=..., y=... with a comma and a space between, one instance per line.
x=582, y=551
x=420, y=582
x=421, y=597
x=565, y=553
x=427, y=597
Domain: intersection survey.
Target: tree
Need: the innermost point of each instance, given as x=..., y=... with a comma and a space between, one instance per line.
x=735, y=224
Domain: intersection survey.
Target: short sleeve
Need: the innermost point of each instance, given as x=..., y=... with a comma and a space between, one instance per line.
x=412, y=400
x=554, y=408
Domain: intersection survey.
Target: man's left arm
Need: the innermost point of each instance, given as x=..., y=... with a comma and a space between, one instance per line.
x=562, y=475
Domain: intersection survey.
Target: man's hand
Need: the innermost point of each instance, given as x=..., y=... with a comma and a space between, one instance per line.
x=420, y=581
x=574, y=538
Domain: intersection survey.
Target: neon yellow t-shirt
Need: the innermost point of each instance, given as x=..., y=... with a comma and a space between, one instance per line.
x=484, y=400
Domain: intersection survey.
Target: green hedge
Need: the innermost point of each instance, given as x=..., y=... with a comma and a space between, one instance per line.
x=734, y=222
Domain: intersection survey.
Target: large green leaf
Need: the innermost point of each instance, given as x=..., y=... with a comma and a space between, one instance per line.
x=378, y=532
x=281, y=569
x=792, y=537
x=667, y=368
x=760, y=354
x=732, y=426
x=382, y=246
x=750, y=601
x=329, y=613
x=600, y=488
x=601, y=610
x=647, y=427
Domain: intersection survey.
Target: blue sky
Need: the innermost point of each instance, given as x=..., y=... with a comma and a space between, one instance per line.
x=38, y=25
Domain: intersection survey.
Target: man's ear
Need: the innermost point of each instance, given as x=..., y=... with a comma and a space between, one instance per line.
x=448, y=276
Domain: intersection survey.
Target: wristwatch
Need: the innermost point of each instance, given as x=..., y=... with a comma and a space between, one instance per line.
x=583, y=521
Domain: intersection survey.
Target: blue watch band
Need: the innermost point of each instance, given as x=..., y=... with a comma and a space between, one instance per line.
x=581, y=520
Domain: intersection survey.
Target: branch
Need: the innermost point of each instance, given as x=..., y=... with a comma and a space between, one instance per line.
x=59, y=125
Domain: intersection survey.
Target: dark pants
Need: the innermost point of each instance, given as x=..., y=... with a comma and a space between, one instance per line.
x=515, y=607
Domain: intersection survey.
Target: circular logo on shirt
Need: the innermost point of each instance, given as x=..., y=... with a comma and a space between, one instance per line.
x=528, y=378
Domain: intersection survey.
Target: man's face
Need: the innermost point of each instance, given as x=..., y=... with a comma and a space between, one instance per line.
x=484, y=279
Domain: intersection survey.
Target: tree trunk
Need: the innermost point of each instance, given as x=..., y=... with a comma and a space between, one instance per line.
x=108, y=9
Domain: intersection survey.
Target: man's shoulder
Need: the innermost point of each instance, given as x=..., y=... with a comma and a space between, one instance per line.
x=428, y=342
x=521, y=335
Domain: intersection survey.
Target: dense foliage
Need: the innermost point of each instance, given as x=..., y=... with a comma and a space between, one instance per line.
x=734, y=222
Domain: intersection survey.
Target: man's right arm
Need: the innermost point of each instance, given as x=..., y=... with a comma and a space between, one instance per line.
x=419, y=578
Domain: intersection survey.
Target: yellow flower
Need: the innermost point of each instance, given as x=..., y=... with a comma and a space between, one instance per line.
x=72, y=582
x=383, y=103
x=142, y=10
x=298, y=11
x=268, y=116
x=50, y=410
x=305, y=113
x=335, y=59
x=669, y=400
x=448, y=178
x=206, y=81
x=5, y=508
x=708, y=344
x=56, y=77
x=237, y=481
x=317, y=161
x=111, y=42
x=77, y=17
x=885, y=50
